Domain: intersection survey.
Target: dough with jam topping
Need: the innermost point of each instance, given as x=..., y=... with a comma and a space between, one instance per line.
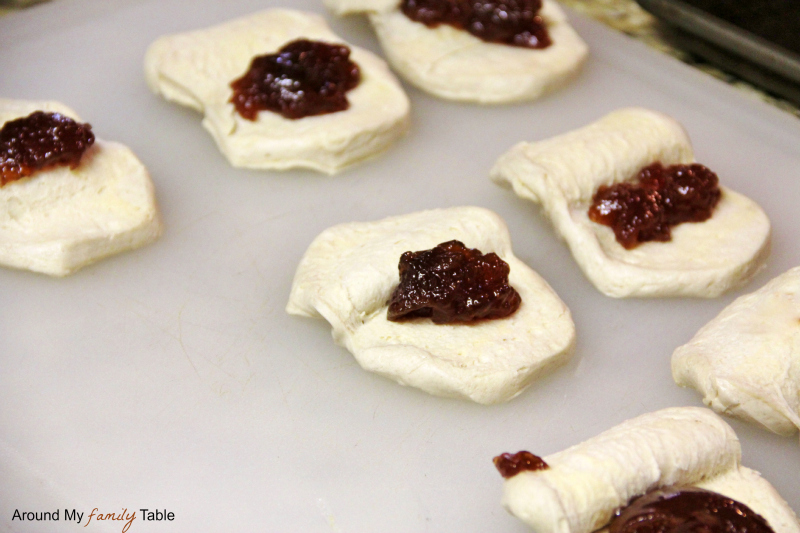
x=195, y=69
x=60, y=219
x=453, y=64
x=746, y=361
x=348, y=274
x=585, y=484
x=703, y=259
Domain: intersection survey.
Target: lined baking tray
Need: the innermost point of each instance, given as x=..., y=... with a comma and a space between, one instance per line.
x=171, y=378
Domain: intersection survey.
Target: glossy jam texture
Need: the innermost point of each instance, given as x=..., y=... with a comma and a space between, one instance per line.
x=510, y=465
x=661, y=197
x=687, y=510
x=304, y=78
x=41, y=141
x=512, y=22
x=452, y=283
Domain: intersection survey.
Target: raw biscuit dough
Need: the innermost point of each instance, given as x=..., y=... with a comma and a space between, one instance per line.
x=349, y=272
x=456, y=65
x=562, y=174
x=195, y=69
x=585, y=484
x=59, y=220
x=746, y=361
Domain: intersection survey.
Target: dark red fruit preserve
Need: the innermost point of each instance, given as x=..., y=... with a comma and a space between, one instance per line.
x=41, y=141
x=452, y=283
x=512, y=22
x=303, y=79
x=510, y=465
x=661, y=197
x=687, y=510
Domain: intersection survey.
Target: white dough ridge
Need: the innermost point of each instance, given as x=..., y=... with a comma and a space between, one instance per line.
x=347, y=276
x=746, y=361
x=562, y=173
x=59, y=220
x=454, y=64
x=586, y=484
x=195, y=69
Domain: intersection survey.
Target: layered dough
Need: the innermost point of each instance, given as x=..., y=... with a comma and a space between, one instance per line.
x=59, y=220
x=195, y=69
x=586, y=484
x=347, y=276
x=456, y=65
x=562, y=174
x=746, y=361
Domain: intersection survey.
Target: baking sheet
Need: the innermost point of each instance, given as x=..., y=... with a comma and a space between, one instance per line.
x=171, y=378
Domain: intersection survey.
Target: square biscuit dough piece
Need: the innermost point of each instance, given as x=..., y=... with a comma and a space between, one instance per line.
x=348, y=274
x=59, y=220
x=746, y=361
x=195, y=69
x=453, y=64
x=562, y=174
x=586, y=484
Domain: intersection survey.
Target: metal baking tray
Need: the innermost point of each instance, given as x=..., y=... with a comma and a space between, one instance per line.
x=752, y=57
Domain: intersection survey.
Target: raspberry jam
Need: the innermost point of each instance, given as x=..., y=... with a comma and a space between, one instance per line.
x=687, y=510
x=512, y=22
x=452, y=283
x=510, y=465
x=304, y=78
x=663, y=197
x=41, y=141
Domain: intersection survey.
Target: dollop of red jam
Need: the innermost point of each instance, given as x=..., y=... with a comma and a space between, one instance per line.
x=452, y=283
x=687, y=510
x=512, y=22
x=661, y=197
x=41, y=141
x=304, y=78
x=510, y=465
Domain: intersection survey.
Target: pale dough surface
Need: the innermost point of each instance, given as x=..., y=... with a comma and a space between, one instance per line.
x=456, y=65
x=57, y=221
x=588, y=482
x=195, y=69
x=349, y=272
x=562, y=174
x=746, y=361
x=348, y=7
